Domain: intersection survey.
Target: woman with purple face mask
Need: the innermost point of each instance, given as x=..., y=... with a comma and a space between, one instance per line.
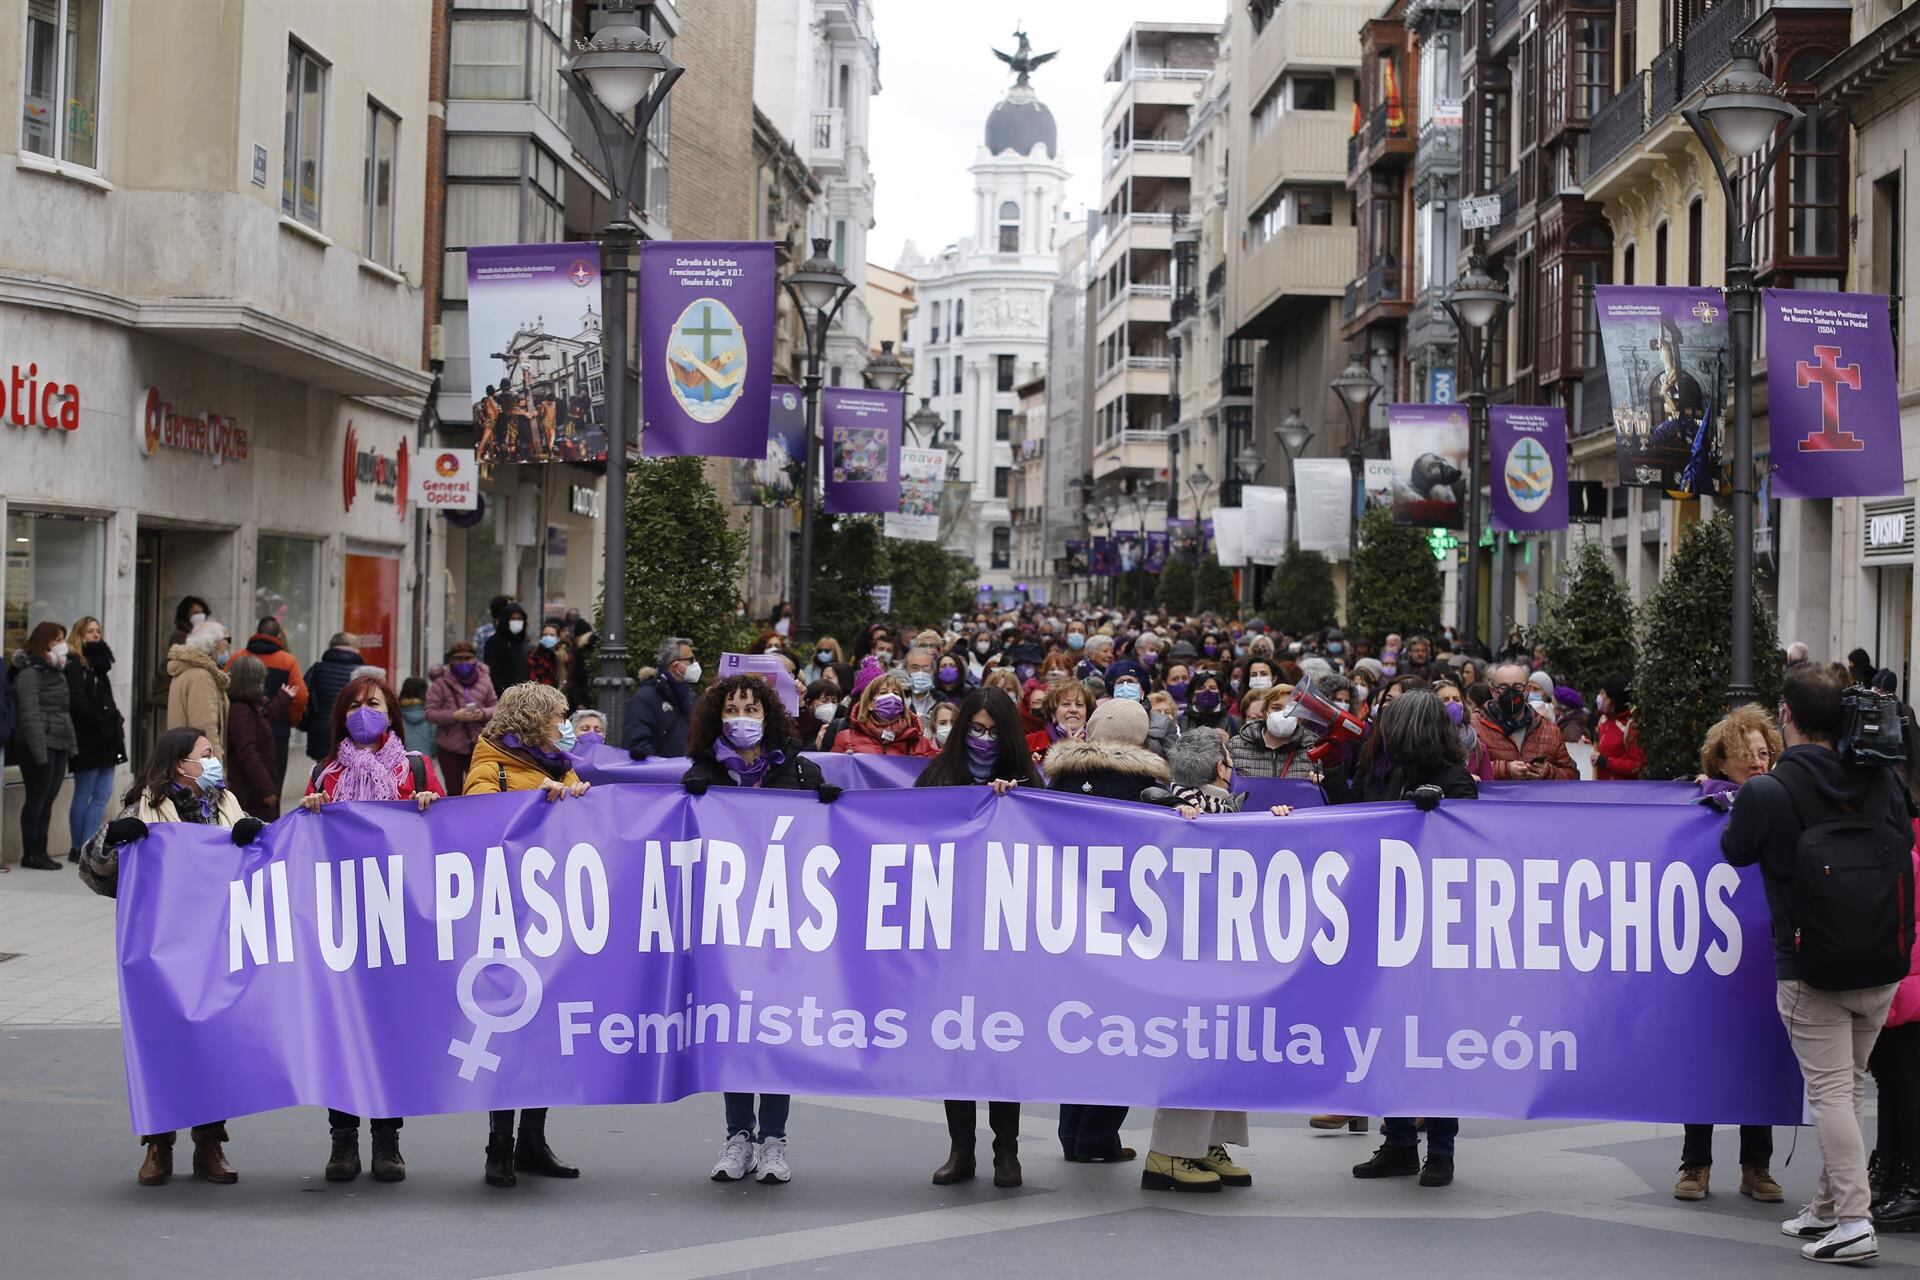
x=1207, y=706
x=460, y=701
x=881, y=724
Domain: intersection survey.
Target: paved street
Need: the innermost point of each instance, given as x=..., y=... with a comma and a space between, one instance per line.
x=1532, y=1199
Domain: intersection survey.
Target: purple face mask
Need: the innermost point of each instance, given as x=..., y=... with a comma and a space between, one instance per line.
x=365, y=725
x=1457, y=712
x=887, y=707
x=1207, y=700
x=982, y=748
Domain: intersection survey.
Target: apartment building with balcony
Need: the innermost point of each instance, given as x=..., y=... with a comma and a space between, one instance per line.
x=1069, y=395
x=1647, y=171
x=1027, y=492
x=1146, y=172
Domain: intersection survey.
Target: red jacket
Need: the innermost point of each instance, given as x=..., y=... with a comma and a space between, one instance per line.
x=1617, y=755
x=861, y=739
x=1542, y=743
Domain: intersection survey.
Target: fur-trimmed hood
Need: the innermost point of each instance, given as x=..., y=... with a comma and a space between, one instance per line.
x=181, y=659
x=1068, y=759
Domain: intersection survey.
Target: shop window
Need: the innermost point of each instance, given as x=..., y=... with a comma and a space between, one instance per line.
x=60, y=108
x=304, y=141
x=56, y=572
x=383, y=144
x=286, y=587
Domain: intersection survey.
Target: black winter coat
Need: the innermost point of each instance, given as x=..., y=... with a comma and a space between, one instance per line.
x=794, y=772
x=44, y=724
x=325, y=679
x=657, y=718
x=1099, y=769
x=1454, y=781
x=98, y=727
x=506, y=659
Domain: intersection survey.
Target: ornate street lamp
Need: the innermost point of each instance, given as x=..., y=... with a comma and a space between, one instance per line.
x=1478, y=306
x=822, y=288
x=1199, y=481
x=1356, y=389
x=1293, y=435
x=620, y=70
x=925, y=424
x=884, y=371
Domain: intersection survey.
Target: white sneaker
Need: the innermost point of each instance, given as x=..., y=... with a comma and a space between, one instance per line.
x=736, y=1159
x=1807, y=1223
x=773, y=1161
x=1844, y=1244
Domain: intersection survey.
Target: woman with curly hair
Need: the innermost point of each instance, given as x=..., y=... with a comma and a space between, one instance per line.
x=524, y=748
x=740, y=737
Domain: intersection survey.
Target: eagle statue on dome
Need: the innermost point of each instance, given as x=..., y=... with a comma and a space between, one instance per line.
x=1023, y=59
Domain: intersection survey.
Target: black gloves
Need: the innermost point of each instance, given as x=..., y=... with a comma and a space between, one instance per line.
x=247, y=830
x=125, y=831
x=636, y=754
x=1427, y=798
x=829, y=793
x=695, y=786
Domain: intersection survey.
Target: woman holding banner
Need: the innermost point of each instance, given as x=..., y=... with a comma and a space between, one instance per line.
x=524, y=748
x=986, y=749
x=182, y=782
x=740, y=737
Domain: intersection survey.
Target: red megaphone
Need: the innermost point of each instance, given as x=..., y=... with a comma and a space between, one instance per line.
x=1333, y=723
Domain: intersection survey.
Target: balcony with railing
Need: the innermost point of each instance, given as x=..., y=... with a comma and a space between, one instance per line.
x=1706, y=44
x=827, y=144
x=1439, y=147
x=1295, y=261
x=1350, y=299
x=1217, y=280
x=1141, y=292
x=1648, y=106
x=1236, y=379
x=1618, y=125
x=1186, y=305
x=1383, y=280
x=1150, y=157
x=1664, y=82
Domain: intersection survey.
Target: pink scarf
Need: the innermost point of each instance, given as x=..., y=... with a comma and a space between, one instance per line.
x=370, y=773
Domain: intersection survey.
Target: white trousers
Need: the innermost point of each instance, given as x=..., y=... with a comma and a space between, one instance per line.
x=1178, y=1131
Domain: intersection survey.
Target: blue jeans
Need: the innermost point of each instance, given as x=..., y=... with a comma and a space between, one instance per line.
x=773, y=1115
x=92, y=788
x=1441, y=1131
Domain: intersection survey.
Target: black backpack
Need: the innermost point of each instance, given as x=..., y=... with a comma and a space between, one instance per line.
x=1852, y=888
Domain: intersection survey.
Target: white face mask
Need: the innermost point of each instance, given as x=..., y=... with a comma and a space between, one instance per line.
x=516, y=626
x=195, y=619
x=58, y=652
x=783, y=626
x=823, y=712
x=1277, y=720
x=941, y=734
x=693, y=673
x=1259, y=682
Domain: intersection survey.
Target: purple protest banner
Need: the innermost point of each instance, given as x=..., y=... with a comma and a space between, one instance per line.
x=533, y=353
x=706, y=347
x=605, y=764
x=1825, y=444
x=860, y=438
x=1668, y=355
x=501, y=951
x=1567, y=792
x=769, y=668
x=1429, y=447
x=1528, y=446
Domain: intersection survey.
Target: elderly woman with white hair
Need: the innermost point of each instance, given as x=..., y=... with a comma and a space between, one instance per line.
x=1099, y=657
x=197, y=689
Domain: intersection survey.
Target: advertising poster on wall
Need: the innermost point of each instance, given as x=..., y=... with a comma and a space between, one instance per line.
x=860, y=433
x=1833, y=400
x=1667, y=353
x=1528, y=448
x=706, y=347
x=1428, y=446
x=533, y=348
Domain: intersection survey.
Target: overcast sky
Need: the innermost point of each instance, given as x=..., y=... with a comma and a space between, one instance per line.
x=938, y=80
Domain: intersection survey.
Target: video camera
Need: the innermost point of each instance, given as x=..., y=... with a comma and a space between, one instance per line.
x=1872, y=729
x=1334, y=723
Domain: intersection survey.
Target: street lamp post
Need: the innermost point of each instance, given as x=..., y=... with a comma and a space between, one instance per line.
x=822, y=288
x=1249, y=464
x=885, y=372
x=621, y=69
x=1293, y=435
x=1356, y=389
x=1745, y=109
x=1110, y=509
x=1199, y=481
x=1477, y=306
x=924, y=424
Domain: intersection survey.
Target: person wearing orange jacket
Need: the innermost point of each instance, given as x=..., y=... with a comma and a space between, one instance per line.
x=269, y=644
x=1617, y=754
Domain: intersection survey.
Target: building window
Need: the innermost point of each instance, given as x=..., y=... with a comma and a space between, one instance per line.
x=1311, y=92
x=1001, y=477
x=1003, y=424
x=933, y=330
x=1592, y=67
x=1694, y=248
x=1660, y=254
x=305, y=135
x=959, y=316
x=1003, y=373
x=956, y=424
x=1269, y=110
x=487, y=58
x=1009, y=227
x=1814, y=186
x=286, y=578
x=1888, y=255
x=959, y=367
x=840, y=243
x=383, y=145
x=936, y=375
x=56, y=572
x=60, y=110
x=1626, y=265
x=1002, y=547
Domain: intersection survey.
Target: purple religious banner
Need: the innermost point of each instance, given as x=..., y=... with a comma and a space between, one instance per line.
x=1833, y=400
x=1668, y=358
x=638, y=944
x=1076, y=566
x=533, y=349
x=860, y=437
x=769, y=668
x=1428, y=443
x=772, y=481
x=1100, y=557
x=1155, y=560
x=706, y=347
x=1528, y=447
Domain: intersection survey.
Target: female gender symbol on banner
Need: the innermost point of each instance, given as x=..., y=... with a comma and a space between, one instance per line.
x=473, y=1053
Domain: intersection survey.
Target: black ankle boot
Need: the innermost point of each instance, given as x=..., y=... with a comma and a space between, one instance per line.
x=388, y=1166
x=532, y=1154
x=344, y=1164
x=500, y=1160
x=1390, y=1162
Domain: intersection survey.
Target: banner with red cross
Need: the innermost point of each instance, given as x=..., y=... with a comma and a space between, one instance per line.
x=1832, y=395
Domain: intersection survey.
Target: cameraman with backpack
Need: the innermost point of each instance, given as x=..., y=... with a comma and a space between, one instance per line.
x=1831, y=830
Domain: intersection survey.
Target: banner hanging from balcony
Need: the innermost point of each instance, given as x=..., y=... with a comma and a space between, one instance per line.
x=1527, y=445
x=1668, y=372
x=1833, y=401
x=706, y=347
x=533, y=352
x=861, y=433
x=1323, y=488
x=923, y=474
x=1428, y=446
x=772, y=481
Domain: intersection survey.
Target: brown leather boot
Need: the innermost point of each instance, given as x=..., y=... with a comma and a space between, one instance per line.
x=1006, y=1162
x=158, y=1166
x=210, y=1162
x=960, y=1165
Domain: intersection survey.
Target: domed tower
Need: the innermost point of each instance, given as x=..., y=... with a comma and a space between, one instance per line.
x=1018, y=178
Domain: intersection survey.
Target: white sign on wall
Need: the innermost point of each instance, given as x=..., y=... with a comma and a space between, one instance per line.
x=449, y=480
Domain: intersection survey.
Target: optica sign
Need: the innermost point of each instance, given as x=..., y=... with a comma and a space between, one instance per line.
x=156, y=424
x=25, y=401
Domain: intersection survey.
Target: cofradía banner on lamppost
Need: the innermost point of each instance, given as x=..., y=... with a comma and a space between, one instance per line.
x=771, y=481
x=1528, y=447
x=1324, y=488
x=923, y=474
x=1833, y=398
x=639, y=944
x=533, y=351
x=1669, y=357
x=1428, y=445
x=861, y=434
x=706, y=347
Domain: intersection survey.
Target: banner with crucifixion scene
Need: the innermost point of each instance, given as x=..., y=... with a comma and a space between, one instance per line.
x=533, y=353
x=1833, y=400
x=706, y=347
x=1668, y=371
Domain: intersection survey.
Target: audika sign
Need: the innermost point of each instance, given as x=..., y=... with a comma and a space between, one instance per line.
x=157, y=425
x=384, y=474
x=25, y=401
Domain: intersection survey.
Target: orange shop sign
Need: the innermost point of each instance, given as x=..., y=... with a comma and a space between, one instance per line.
x=26, y=401
x=157, y=425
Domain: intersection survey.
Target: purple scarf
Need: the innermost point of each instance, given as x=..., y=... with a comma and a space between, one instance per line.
x=750, y=775
x=555, y=763
x=370, y=773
